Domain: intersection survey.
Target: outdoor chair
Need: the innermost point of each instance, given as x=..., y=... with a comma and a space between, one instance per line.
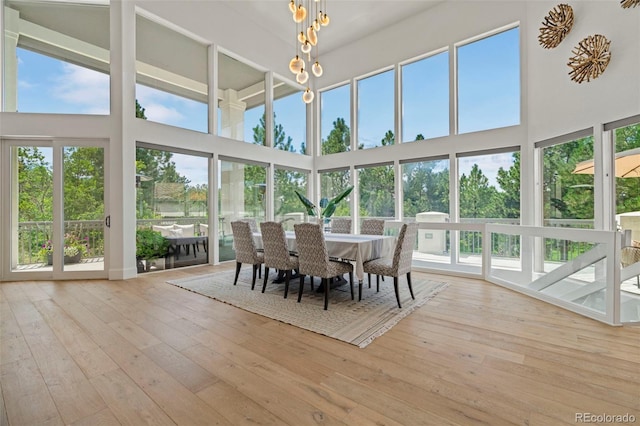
x=314, y=259
x=276, y=253
x=246, y=251
x=399, y=264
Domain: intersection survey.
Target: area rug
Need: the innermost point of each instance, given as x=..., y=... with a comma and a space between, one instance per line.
x=358, y=323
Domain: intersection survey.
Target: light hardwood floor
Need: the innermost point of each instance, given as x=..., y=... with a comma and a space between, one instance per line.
x=145, y=352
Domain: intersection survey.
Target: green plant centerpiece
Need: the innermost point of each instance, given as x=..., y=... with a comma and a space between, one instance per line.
x=75, y=248
x=327, y=206
x=150, y=245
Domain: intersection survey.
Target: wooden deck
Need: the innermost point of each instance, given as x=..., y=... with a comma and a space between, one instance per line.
x=145, y=352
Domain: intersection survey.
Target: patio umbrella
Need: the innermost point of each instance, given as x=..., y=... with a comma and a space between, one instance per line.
x=627, y=164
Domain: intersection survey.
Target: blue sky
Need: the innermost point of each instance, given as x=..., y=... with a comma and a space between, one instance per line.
x=485, y=84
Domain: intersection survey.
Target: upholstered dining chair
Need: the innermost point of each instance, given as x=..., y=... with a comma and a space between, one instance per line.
x=399, y=264
x=245, y=248
x=341, y=225
x=314, y=259
x=253, y=224
x=372, y=227
x=276, y=253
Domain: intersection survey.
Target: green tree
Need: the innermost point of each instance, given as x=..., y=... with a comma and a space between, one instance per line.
x=339, y=139
x=566, y=194
x=477, y=197
x=508, y=202
x=627, y=189
x=35, y=181
x=425, y=189
x=83, y=183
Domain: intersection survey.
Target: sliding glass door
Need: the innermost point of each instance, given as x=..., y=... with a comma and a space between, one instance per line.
x=56, y=220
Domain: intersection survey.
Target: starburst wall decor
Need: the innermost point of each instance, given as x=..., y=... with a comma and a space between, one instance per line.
x=629, y=3
x=556, y=26
x=590, y=58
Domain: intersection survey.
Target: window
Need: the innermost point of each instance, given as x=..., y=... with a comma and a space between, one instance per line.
x=289, y=119
x=172, y=198
x=377, y=192
x=567, y=196
x=488, y=78
x=333, y=183
x=376, y=108
x=627, y=144
x=426, y=188
x=59, y=67
x=335, y=120
x=242, y=195
x=171, y=82
x=425, y=98
x=287, y=207
x=241, y=101
x=489, y=188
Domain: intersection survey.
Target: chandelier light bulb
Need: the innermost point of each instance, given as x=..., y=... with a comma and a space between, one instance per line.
x=316, y=25
x=292, y=6
x=302, y=77
x=324, y=20
x=306, y=47
x=312, y=36
x=301, y=37
x=316, y=69
x=300, y=14
x=308, y=96
x=296, y=65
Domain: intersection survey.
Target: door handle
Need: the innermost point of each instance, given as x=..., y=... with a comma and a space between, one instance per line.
x=107, y=221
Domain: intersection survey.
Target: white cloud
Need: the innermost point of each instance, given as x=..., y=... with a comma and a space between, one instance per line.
x=155, y=106
x=24, y=84
x=83, y=87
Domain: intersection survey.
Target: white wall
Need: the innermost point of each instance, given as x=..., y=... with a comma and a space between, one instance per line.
x=558, y=105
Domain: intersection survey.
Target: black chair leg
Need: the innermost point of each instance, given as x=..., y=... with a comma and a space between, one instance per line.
x=311, y=281
x=360, y=289
x=287, y=277
x=351, y=283
x=238, y=265
x=377, y=283
x=410, y=288
x=266, y=276
x=301, y=287
x=327, y=285
x=395, y=287
x=253, y=281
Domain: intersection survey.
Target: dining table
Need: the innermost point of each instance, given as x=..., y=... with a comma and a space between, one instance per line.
x=354, y=248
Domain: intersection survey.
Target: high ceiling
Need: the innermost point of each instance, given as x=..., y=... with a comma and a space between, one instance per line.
x=351, y=20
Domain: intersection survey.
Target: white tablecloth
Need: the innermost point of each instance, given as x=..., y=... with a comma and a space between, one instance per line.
x=352, y=247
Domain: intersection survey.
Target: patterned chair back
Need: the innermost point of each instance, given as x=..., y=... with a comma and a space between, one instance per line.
x=253, y=224
x=274, y=242
x=404, y=248
x=341, y=226
x=372, y=227
x=243, y=242
x=312, y=250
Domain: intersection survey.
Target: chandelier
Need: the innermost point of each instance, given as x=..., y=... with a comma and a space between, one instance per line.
x=310, y=16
